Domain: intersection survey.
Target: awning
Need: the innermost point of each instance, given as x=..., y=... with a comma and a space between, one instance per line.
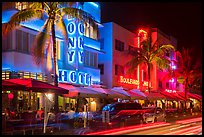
x=6, y=85
x=99, y=89
x=195, y=96
x=137, y=94
x=120, y=90
x=37, y=86
x=181, y=95
x=110, y=93
x=154, y=96
x=78, y=91
x=170, y=96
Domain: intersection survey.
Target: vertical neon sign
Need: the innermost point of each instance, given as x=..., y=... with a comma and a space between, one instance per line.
x=76, y=43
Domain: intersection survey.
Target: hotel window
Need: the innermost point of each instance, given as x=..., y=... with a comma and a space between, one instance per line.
x=19, y=40
x=144, y=76
x=101, y=43
x=90, y=32
x=21, y=5
x=160, y=84
x=119, y=70
x=177, y=85
x=86, y=30
x=101, y=67
x=86, y=58
x=31, y=41
x=90, y=59
x=25, y=42
x=95, y=57
x=6, y=74
x=167, y=84
x=119, y=45
x=7, y=42
x=58, y=42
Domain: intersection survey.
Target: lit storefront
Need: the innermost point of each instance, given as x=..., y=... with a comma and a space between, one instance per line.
x=77, y=61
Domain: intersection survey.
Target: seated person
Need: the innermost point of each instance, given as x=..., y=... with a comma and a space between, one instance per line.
x=51, y=116
x=40, y=113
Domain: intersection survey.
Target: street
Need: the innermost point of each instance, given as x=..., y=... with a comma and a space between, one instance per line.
x=188, y=126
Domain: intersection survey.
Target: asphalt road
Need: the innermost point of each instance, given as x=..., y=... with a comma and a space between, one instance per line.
x=188, y=126
x=173, y=129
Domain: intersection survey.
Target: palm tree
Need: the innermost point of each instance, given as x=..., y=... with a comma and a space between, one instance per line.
x=189, y=68
x=148, y=54
x=53, y=13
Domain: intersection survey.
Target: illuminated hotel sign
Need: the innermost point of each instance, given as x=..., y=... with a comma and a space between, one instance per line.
x=128, y=81
x=132, y=81
x=76, y=42
x=145, y=84
x=76, y=77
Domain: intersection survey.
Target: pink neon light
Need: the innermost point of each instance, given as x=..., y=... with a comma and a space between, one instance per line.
x=170, y=90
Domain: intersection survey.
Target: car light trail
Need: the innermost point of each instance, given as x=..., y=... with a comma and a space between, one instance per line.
x=184, y=130
x=192, y=132
x=130, y=129
x=189, y=120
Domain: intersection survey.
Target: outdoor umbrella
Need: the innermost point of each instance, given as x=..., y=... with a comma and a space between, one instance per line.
x=78, y=91
x=189, y=95
x=120, y=90
x=170, y=96
x=154, y=95
x=108, y=92
x=137, y=94
x=37, y=86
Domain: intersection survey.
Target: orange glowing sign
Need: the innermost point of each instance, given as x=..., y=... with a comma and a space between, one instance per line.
x=128, y=81
x=145, y=84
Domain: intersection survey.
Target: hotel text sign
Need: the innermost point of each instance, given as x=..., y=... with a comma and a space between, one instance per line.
x=76, y=42
x=131, y=81
x=77, y=77
x=128, y=81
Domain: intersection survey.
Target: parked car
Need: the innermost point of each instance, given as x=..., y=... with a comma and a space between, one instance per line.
x=120, y=114
x=154, y=114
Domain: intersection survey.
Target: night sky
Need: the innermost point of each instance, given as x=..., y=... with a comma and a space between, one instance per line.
x=181, y=20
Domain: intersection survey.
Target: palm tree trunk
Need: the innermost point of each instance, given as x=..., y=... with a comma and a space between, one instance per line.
x=56, y=107
x=148, y=67
x=185, y=93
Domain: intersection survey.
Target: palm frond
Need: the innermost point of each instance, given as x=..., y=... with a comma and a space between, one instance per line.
x=17, y=18
x=78, y=13
x=162, y=62
x=60, y=25
x=133, y=63
x=40, y=42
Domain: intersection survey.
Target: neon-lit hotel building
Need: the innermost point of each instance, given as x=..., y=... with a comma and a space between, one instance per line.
x=116, y=41
x=77, y=61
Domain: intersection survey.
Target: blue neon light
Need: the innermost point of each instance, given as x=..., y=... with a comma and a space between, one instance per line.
x=94, y=4
x=80, y=77
x=92, y=46
x=81, y=29
x=71, y=56
x=71, y=27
